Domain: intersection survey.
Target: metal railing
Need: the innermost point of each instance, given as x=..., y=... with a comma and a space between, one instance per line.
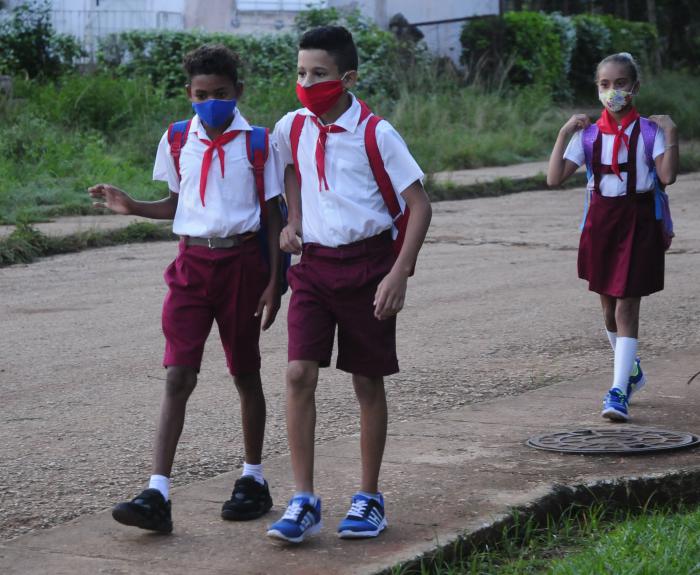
x=88, y=26
x=275, y=5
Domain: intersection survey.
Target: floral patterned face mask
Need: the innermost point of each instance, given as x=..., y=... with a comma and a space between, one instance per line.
x=615, y=100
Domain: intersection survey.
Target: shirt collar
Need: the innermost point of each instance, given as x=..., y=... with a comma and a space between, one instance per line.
x=239, y=123
x=348, y=119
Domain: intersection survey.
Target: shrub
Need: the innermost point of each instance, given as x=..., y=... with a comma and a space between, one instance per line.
x=600, y=36
x=30, y=46
x=532, y=46
x=550, y=49
x=157, y=55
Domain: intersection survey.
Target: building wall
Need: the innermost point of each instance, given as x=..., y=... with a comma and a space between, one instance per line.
x=441, y=38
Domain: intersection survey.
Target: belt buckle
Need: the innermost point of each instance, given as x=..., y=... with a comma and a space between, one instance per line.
x=210, y=243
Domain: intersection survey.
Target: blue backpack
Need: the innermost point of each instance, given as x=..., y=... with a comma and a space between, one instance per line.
x=258, y=148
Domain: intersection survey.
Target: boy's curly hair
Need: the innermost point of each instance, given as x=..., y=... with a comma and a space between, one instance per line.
x=212, y=59
x=337, y=41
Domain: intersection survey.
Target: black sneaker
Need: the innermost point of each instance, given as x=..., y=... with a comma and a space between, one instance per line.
x=148, y=510
x=249, y=500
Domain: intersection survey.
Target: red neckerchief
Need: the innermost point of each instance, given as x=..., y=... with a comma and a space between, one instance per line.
x=609, y=125
x=323, y=131
x=218, y=145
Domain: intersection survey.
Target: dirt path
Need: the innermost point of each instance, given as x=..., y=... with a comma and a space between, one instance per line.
x=494, y=309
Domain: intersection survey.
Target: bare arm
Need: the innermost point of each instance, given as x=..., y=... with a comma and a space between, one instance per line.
x=391, y=291
x=560, y=169
x=270, y=298
x=289, y=238
x=112, y=198
x=667, y=163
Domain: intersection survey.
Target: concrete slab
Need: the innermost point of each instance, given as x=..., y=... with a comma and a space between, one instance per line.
x=67, y=225
x=492, y=173
x=444, y=475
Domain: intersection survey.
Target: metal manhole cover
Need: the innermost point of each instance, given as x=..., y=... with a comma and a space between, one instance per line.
x=626, y=439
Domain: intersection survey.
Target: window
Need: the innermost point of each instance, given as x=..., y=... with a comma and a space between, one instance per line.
x=276, y=5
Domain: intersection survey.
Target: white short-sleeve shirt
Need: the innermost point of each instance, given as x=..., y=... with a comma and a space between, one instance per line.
x=231, y=202
x=352, y=209
x=610, y=184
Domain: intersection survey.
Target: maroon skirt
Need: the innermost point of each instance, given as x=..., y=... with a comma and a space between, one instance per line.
x=621, y=251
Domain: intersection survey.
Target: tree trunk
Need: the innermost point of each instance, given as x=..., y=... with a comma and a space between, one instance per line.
x=651, y=11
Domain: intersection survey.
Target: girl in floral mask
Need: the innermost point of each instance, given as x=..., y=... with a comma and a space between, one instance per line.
x=621, y=251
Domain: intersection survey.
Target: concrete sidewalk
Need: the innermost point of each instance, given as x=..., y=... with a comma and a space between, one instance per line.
x=443, y=475
x=73, y=224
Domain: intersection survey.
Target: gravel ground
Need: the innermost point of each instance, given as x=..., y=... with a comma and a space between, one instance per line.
x=495, y=308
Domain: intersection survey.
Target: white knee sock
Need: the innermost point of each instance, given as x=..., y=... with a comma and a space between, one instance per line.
x=161, y=483
x=255, y=471
x=612, y=338
x=625, y=354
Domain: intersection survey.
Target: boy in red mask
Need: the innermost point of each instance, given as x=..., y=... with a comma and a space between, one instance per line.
x=219, y=274
x=349, y=276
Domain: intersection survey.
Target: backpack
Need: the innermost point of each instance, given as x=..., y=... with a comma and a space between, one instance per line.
x=257, y=147
x=662, y=208
x=399, y=218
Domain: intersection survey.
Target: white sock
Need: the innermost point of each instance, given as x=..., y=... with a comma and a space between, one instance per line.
x=612, y=338
x=255, y=471
x=625, y=355
x=161, y=483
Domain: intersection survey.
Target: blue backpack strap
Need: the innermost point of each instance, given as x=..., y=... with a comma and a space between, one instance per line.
x=588, y=137
x=177, y=138
x=258, y=149
x=257, y=146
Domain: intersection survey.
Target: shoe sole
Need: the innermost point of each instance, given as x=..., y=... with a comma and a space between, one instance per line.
x=277, y=534
x=127, y=516
x=231, y=515
x=363, y=534
x=614, y=415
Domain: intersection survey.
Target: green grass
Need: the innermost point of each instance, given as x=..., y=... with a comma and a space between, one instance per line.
x=589, y=542
x=25, y=243
x=58, y=139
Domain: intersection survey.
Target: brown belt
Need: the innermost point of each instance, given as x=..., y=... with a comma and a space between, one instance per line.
x=218, y=243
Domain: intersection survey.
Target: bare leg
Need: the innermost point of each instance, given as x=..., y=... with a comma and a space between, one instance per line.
x=302, y=378
x=179, y=384
x=253, y=415
x=627, y=317
x=609, y=305
x=373, y=424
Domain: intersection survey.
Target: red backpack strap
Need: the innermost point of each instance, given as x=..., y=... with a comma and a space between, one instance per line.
x=376, y=163
x=386, y=188
x=258, y=148
x=294, y=135
x=177, y=138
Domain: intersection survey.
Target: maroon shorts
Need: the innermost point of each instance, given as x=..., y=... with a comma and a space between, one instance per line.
x=336, y=286
x=214, y=284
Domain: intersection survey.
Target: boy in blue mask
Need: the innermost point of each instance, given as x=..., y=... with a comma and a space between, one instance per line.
x=219, y=274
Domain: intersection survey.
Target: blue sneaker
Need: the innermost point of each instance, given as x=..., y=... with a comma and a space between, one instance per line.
x=636, y=381
x=302, y=518
x=366, y=518
x=615, y=406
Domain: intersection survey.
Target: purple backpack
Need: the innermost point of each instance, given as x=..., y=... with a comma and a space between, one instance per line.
x=661, y=205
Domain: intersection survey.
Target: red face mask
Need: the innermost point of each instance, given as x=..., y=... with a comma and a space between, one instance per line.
x=320, y=97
